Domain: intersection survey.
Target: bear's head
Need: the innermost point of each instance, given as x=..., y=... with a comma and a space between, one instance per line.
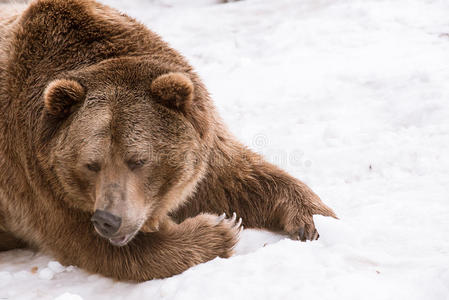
x=127, y=142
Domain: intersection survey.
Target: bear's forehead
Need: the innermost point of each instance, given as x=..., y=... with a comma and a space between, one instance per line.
x=113, y=116
x=104, y=132
x=127, y=119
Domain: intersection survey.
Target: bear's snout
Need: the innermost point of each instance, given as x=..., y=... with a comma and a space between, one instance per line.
x=106, y=223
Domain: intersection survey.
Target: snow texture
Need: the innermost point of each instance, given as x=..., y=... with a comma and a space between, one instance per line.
x=352, y=97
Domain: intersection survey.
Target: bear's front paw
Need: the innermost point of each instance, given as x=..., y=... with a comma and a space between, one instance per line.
x=217, y=235
x=306, y=231
x=225, y=232
x=301, y=228
x=296, y=213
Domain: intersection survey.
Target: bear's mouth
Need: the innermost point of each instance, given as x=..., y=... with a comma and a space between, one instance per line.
x=121, y=240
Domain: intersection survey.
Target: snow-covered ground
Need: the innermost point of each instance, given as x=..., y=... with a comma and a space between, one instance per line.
x=350, y=96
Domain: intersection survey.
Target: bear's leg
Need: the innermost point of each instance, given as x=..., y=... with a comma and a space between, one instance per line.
x=10, y=242
x=259, y=192
x=170, y=251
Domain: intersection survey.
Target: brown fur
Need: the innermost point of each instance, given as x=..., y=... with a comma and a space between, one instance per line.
x=97, y=112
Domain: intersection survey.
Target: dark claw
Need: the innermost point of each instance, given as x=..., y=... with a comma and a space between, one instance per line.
x=311, y=234
x=302, y=237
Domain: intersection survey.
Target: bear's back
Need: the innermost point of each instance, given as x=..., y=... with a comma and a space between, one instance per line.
x=9, y=15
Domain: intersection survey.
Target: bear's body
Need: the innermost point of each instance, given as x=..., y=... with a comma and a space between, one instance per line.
x=101, y=121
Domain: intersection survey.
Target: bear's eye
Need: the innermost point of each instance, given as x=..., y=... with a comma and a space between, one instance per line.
x=135, y=164
x=94, y=167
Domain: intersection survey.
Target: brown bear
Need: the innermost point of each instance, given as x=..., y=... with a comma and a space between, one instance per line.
x=113, y=157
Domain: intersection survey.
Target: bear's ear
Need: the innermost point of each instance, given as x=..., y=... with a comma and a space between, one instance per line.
x=61, y=95
x=174, y=90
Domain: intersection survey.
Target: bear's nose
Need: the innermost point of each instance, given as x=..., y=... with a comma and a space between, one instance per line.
x=106, y=223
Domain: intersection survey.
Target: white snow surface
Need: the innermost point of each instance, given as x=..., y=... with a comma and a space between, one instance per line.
x=350, y=96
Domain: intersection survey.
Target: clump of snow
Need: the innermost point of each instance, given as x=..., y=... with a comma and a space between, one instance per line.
x=349, y=96
x=68, y=296
x=46, y=274
x=56, y=267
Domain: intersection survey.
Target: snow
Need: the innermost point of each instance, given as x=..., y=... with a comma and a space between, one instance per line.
x=352, y=97
x=68, y=296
